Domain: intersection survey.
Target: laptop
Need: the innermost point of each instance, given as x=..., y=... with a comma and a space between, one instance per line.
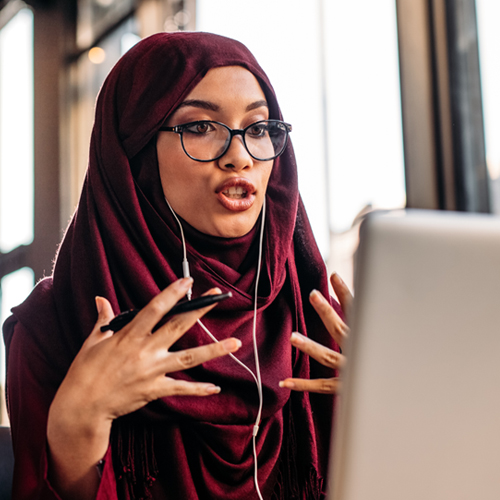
x=419, y=412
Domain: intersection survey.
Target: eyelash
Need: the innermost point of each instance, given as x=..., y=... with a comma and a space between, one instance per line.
x=204, y=116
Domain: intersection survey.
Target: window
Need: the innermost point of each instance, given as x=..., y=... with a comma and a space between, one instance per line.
x=16, y=161
x=334, y=66
x=488, y=14
x=16, y=132
x=86, y=75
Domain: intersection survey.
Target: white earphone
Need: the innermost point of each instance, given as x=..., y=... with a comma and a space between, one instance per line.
x=256, y=376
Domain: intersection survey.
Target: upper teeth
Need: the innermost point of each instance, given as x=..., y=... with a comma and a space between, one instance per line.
x=235, y=192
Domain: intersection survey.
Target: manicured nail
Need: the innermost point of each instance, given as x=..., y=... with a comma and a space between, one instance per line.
x=337, y=278
x=287, y=384
x=184, y=282
x=212, y=291
x=213, y=389
x=98, y=304
x=231, y=345
x=315, y=297
x=297, y=338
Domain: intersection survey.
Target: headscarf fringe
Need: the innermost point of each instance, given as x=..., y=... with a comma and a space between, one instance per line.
x=134, y=456
x=288, y=482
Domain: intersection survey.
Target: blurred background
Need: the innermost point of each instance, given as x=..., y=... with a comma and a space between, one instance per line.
x=392, y=104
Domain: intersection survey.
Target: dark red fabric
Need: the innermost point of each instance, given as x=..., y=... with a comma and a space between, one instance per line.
x=123, y=244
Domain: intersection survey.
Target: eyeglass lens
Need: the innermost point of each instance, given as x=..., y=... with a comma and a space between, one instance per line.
x=209, y=140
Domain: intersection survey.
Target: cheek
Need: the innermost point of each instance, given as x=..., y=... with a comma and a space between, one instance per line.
x=267, y=174
x=172, y=168
x=183, y=184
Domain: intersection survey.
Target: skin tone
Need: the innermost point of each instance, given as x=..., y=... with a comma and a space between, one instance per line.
x=113, y=375
x=230, y=95
x=337, y=329
x=116, y=374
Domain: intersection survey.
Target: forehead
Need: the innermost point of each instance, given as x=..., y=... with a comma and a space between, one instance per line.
x=228, y=83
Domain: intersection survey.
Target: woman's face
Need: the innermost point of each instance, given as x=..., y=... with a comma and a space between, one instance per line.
x=222, y=197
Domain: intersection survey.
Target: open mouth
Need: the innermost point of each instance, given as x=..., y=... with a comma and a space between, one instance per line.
x=235, y=192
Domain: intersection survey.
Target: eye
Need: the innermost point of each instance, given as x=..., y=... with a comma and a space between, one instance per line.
x=200, y=128
x=257, y=130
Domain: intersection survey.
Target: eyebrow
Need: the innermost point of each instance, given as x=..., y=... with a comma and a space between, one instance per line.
x=257, y=104
x=198, y=103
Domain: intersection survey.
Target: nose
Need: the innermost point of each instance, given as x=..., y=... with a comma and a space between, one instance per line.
x=236, y=157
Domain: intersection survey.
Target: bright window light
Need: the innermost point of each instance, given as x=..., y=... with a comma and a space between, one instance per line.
x=488, y=15
x=14, y=288
x=334, y=66
x=16, y=132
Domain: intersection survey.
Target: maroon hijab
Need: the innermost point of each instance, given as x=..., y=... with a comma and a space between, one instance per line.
x=123, y=244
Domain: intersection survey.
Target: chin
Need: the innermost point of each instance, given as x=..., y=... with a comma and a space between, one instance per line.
x=231, y=232
x=232, y=229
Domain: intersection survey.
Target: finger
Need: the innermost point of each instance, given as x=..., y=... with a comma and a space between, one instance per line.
x=319, y=385
x=320, y=353
x=179, y=324
x=105, y=315
x=149, y=316
x=185, y=359
x=170, y=387
x=212, y=291
x=335, y=326
x=342, y=292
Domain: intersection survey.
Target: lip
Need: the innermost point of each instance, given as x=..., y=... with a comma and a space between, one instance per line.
x=233, y=204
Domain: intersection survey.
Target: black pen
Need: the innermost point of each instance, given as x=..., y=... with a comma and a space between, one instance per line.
x=124, y=318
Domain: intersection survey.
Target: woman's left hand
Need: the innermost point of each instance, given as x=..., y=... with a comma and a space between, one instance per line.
x=337, y=329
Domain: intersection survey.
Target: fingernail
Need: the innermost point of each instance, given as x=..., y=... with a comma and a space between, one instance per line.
x=213, y=389
x=287, y=384
x=315, y=297
x=185, y=282
x=212, y=291
x=296, y=338
x=337, y=278
x=98, y=304
x=231, y=345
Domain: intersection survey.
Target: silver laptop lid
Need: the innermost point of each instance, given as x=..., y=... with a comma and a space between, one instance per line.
x=420, y=408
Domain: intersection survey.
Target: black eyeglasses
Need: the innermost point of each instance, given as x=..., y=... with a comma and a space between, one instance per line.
x=208, y=141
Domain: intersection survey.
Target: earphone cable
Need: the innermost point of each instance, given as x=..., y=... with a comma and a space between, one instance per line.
x=257, y=378
x=185, y=263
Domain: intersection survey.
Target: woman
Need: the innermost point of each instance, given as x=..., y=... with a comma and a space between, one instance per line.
x=78, y=395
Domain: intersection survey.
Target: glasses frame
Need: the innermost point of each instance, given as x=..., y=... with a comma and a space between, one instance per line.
x=179, y=129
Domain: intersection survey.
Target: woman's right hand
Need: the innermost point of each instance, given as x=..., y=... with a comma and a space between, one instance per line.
x=116, y=374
